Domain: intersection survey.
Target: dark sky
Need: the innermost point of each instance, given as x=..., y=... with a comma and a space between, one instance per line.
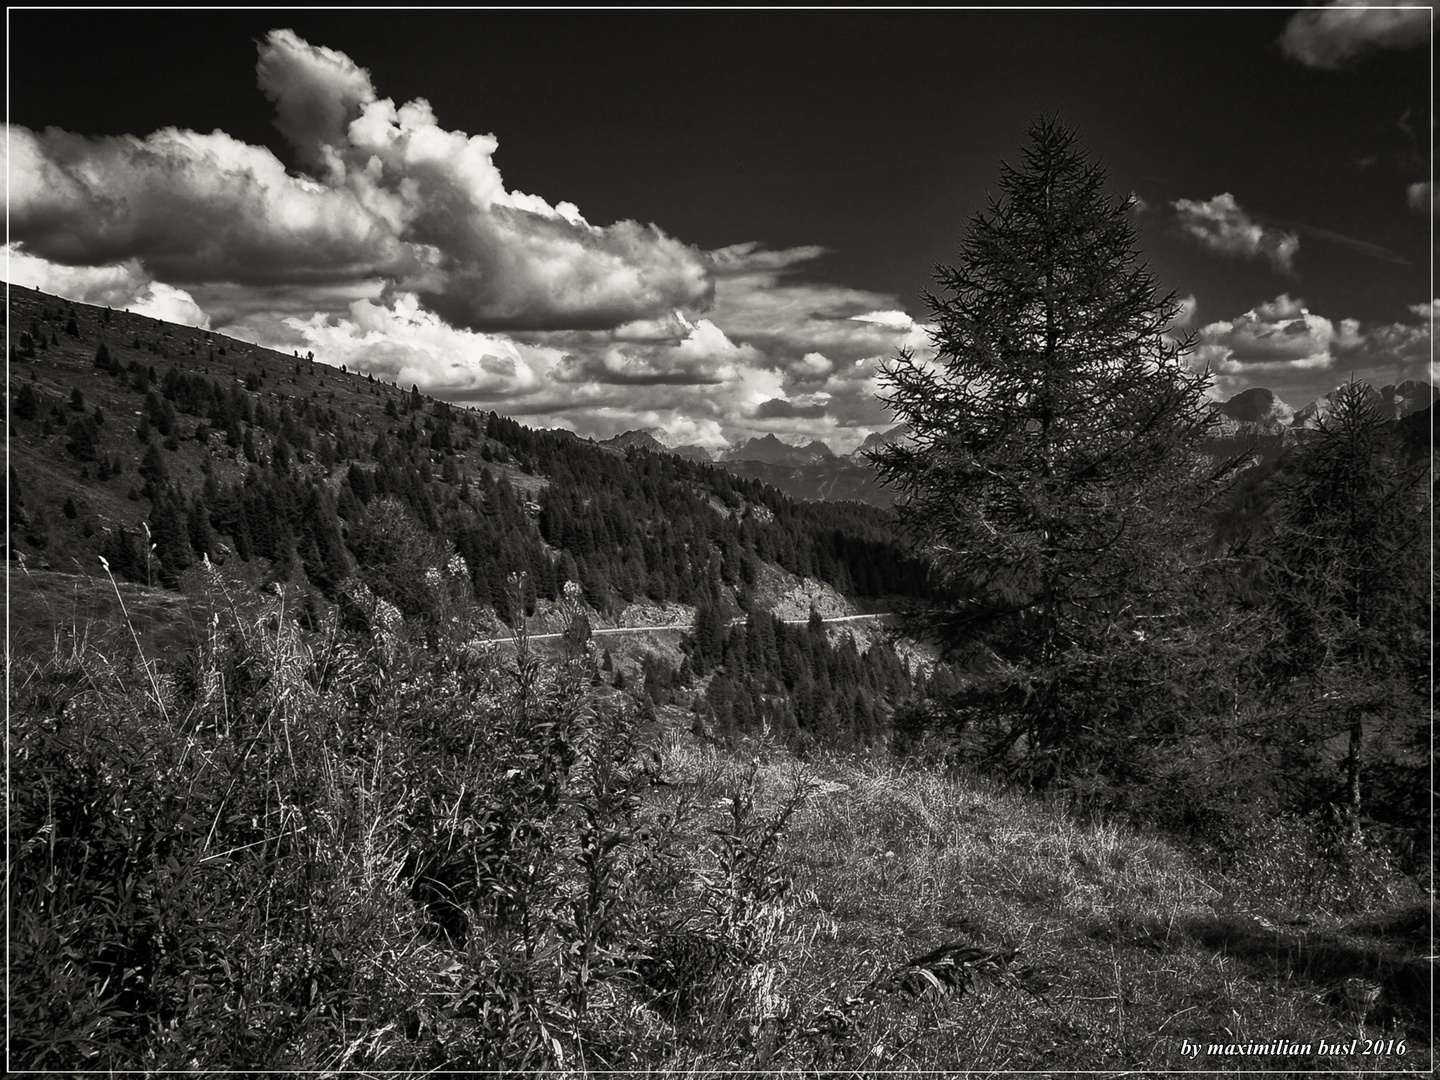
x=872, y=135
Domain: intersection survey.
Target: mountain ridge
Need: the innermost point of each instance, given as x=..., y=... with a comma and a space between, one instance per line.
x=158, y=446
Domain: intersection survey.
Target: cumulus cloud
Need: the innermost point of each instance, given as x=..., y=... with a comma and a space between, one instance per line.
x=1284, y=345
x=812, y=366
x=401, y=252
x=400, y=341
x=191, y=208
x=704, y=356
x=317, y=93
x=125, y=287
x=1222, y=226
x=392, y=197
x=1335, y=33
x=1281, y=334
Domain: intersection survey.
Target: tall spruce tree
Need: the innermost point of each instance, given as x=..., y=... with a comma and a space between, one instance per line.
x=1051, y=451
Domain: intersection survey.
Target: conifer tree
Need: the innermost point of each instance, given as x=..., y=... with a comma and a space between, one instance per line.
x=1051, y=440
x=27, y=403
x=1347, y=596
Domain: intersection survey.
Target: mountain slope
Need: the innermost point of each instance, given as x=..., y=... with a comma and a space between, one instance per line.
x=157, y=448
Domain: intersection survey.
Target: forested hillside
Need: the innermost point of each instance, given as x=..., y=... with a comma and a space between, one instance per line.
x=225, y=449
x=156, y=448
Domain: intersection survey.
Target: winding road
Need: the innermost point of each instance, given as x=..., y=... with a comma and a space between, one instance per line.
x=673, y=626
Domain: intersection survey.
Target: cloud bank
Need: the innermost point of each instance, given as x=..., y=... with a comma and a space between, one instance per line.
x=1301, y=355
x=391, y=196
x=1332, y=35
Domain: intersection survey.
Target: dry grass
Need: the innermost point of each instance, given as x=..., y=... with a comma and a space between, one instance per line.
x=1130, y=949
x=1144, y=948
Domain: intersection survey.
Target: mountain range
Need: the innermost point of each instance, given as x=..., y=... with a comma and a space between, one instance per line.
x=1254, y=420
x=801, y=468
x=1258, y=411
x=768, y=449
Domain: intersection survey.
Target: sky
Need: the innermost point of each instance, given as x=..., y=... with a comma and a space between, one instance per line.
x=717, y=223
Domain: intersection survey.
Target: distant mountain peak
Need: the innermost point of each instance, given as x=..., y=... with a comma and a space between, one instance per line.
x=641, y=437
x=794, y=439
x=775, y=450
x=875, y=440
x=1397, y=400
x=657, y=440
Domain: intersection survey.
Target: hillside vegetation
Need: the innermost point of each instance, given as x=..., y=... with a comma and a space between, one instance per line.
x=158, y=447
x=348, y=851
x=296, y=783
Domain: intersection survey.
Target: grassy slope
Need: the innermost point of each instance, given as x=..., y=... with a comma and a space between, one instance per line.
x=1145, y=948
x=1143, y=945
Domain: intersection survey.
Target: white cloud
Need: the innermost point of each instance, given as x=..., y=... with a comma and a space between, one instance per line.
x=1220, y=225
x=125, y=287
x=1335, y=33
x=703, y=355
x=891, y=320
x=812, y=366
x=404, y=343
x=190, y=208
x=1285, y=346
x=317, y=93
x=394, y=199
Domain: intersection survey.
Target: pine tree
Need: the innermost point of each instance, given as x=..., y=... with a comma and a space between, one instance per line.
x=709, y=637
x=1346, y=583
x=197, y=526
x=1051, y=441
x=84, y=438
x=27, y=403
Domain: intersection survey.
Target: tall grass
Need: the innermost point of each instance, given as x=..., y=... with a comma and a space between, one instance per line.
x=358, y=850
x=337, y=851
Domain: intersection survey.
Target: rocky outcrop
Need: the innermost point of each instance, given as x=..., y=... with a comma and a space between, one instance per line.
x=774, y=451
